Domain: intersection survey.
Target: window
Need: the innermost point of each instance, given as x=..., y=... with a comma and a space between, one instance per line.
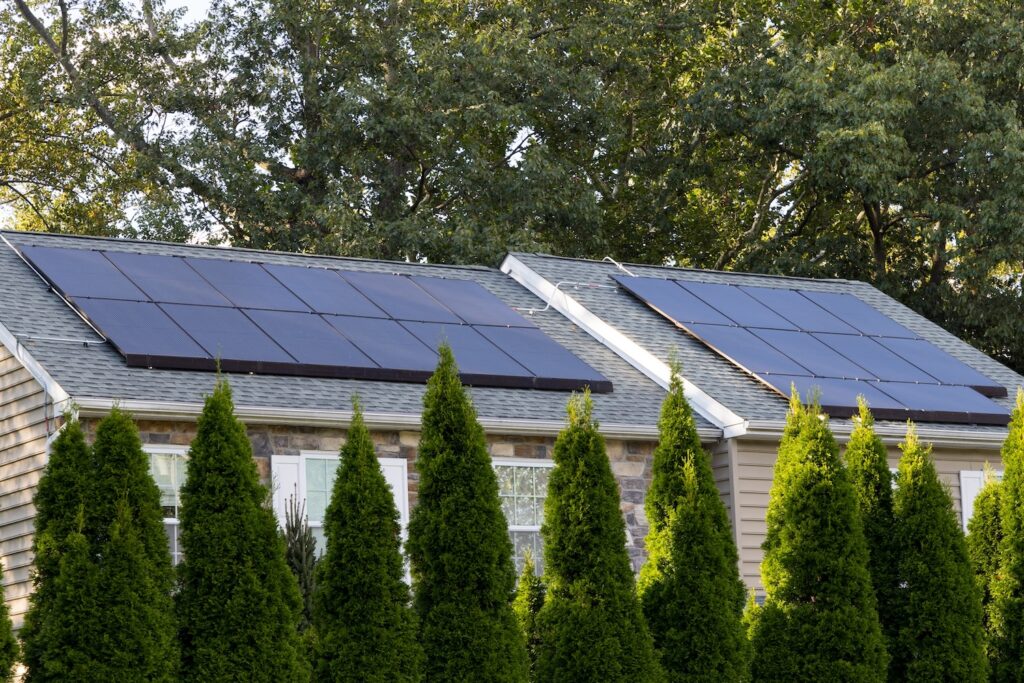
x=309, y=478
x=167, y=465
x=971, y=482
x=522, y=487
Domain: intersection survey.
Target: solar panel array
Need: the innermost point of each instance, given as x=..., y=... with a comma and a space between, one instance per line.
x=193, y=313
x=833, y=343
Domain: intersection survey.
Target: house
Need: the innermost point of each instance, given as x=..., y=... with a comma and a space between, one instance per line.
x=81, y=332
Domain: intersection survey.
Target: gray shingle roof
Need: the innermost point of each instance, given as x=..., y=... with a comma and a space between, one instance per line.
x=89, y=368
x=717, y=376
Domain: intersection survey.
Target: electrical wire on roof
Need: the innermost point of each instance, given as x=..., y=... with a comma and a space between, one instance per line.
x=558, y=288
x=618, y=265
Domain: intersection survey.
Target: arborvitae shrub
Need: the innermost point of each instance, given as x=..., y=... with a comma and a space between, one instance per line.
x=984, y=539
x=690, y=586
x=819, y=621
x=8, y=643
x=1008, y=616
x=300, y=551
x=461, y=554
x=238, y=603
x=366, y=628
x=868, y=464
x=591, y=626
x=938, y=608
x=59, y=503
x=530, y=592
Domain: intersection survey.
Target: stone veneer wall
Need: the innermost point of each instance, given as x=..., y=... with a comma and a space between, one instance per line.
x=630, y=460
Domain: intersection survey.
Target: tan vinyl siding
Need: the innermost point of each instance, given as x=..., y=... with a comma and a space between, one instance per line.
x=24, y=419
x=755, y=461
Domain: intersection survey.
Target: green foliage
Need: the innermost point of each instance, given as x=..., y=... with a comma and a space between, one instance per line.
x=938, y=609
x=300, y=552
x=1008, y=645
x=868, y=464
x=690, y=587
x=104, y=611
x=819, y=620
x=984, y=539
x=530, y=594
x=238, y=604
x=591, y=626
x=461, y=555
x=366, y=628
x=9, y=649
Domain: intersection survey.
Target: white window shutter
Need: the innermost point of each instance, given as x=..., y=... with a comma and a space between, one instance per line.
x=285, y=471
x=396, y=473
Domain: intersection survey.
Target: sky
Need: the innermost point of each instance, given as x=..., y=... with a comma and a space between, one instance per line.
x=195, y=9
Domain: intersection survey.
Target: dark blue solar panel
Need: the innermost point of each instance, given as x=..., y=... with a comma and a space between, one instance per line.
x=746, y=350
x=247, y=285
x=941, y=365
x=309, y=339
x=672, y=301
x=884, y=364
x=836, y=394
x=735, y=304
x=82, y=272
x=139, y=329
x=166, y=279
x=226, y=334
x=386, y=342
x=820, y=359
x=325, y=291
x=946, y=402
x=471, y=302
x=400, y=297
x=474, y=354
x=799, y=310
x=859, y=314
x=541, y=355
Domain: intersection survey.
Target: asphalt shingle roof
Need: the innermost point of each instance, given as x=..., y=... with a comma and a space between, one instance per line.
x=85, y=366
x=717, y=376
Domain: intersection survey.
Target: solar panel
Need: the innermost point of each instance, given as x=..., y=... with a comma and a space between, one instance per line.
x=946, y=403
x=246, y=285
x=309, y=339
x=746, y=350
x=324, y=291
x=167, y=279
x=820, y=359
x=735, y=304
x=859, y=314
x=82, y=272
x=143, y=333
x=228, y=335
x=553, y=366
x=942, y=366
x=399, y=297
x=798, y=309
x=471, y=302
x=838, y=397
x=474, y=354
x=884, y=363
x=388, y=344
x=672, y=301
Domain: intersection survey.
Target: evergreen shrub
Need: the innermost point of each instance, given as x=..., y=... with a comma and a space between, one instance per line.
x=1008, y=589
x=984, y=541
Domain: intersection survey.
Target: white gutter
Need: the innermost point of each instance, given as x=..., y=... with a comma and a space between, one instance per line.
x=640, y=358
x=892, y=434
x=189, y=412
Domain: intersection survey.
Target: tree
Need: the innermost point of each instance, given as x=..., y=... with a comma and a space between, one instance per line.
x=300, y=551
x=690, y=588
x=1009, y=586
x=868, y=464
x=365, y=626
x=9, y=649
x=819, y=620
x=234, y=559
x=461, y=554
x=530, y=594
x=591, y=626
x=60, y=503
x=938, y=609
x=984, y=539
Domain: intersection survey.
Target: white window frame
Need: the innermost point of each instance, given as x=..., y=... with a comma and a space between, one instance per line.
x=288, y=474
x=523, y=462
x=971, y=483
x=176, y=450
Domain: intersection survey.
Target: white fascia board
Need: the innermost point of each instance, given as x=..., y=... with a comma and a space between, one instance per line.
x=60, y=398
x=640, y=358
x=189, y=412
x=891, y=435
